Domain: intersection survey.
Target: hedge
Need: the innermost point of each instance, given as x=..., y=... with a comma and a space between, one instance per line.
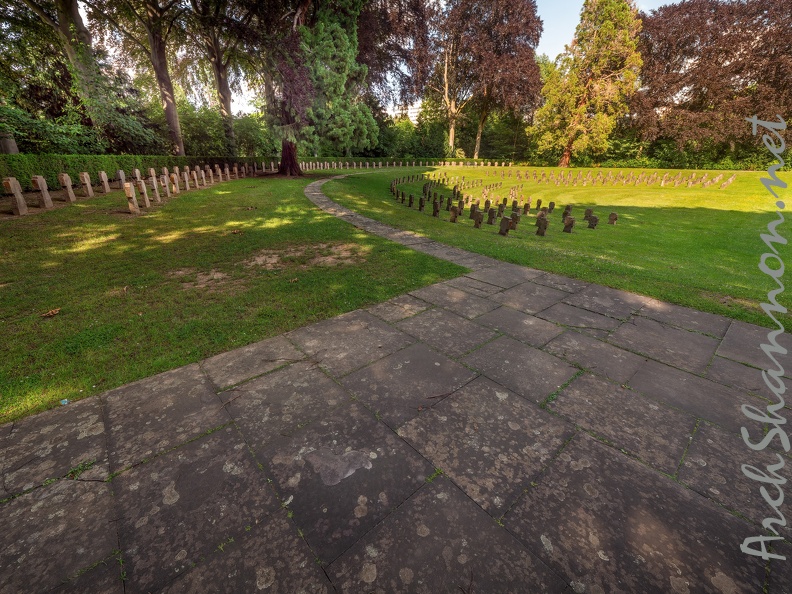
x=25, y=166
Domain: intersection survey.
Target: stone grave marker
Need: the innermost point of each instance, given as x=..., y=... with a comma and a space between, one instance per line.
x=479, y=218
x=592, y=222
x=203, y=179
x=121, y=177
x=527, y=207
x=129, y=190
x=186, y=178
x=569, y=222
x=164, y=183
x=435, y=209
x=492, y=214
x=227, y=173
x=501, y=208
x=515, y=220
x=175, y=184
x=588, y=213
x=154, y=189
x=85, y=180
x=448, y=203
x=166, y=172
x=551, y=207
x=612, y=218
x=461, y=207
x=421, y=203
x=541, y=226
x=454, y=214
x=141, y=186
x=195, y=180
x=504, y=226
x=40, y=184
x=105, y=183
x=66, y=183
x=410, y=202
x=136, y=175
x=18, y=204
x=152, y=173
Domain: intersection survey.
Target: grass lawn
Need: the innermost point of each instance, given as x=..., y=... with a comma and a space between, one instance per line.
x=209, y=271
x=691, y=246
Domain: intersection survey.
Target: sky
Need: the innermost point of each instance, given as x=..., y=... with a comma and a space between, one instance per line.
x=560, y=17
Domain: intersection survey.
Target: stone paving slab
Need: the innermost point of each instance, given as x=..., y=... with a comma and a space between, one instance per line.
x=51, y=444
x=181, y=506
x=741, y=377
x=158, y=413
x=742, y=343
x=529, y=372
x=712, y=468
x=278, y=404
x=270, y=557
x=105, y=578
x=342, y=476
x=504, y=276
x=447, y=332
x=562, y=283
x=440, y=541
x=781, y=569
x=607, y=301
x=575, y=317
x=526, y=328
x=654, y=433
x=249, y=361
x=455, y=300
x=401, y=386
x=598, y=357
x=488, y=440
x=350, y=341
x=399, y=308
x=471, y=285
x=54, y=532
x=529, y=297
x=695, y=395
x=683, y=349
x=606, y=523
x=686, y=318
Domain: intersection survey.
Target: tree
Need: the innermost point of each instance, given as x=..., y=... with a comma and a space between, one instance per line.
x=215, y=27
x=501, y=38
x=588, y=88
x=340, y=121
x=710, y=63
x=452, y=79
x=148, y=25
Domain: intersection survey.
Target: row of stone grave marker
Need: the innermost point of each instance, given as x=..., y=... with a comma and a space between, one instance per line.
x=455, y=206
x=169, y=182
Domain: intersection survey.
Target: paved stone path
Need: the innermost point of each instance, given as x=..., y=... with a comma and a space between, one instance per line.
x=505, y=431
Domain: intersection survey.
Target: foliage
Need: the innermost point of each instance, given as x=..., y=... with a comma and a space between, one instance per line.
x=587, y=90
x=708, y=64
x=340, y=123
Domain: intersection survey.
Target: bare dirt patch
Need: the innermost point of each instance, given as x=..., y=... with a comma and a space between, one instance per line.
x=214, y=280
x=308, y=256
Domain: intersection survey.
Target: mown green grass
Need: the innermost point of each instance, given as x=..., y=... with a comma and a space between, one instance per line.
x=119, y=282
x=690, y=246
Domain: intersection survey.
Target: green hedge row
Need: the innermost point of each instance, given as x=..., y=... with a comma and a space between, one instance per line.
x=25, y=166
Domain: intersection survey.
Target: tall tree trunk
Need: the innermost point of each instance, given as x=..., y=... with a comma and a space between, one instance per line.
x=451, y=134
x=566, y=157
x=220, y=70
x=289, y=165
x=159, y=61
x=480, y=131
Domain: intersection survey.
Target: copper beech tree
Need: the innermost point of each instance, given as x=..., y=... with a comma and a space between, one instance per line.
x=708, y=64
